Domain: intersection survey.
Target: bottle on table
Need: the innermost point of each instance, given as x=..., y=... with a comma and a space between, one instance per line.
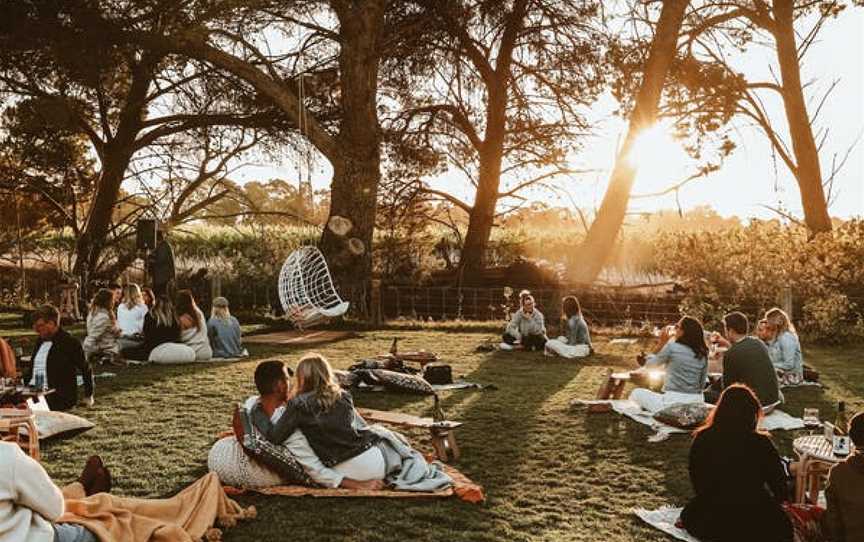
x=841, y=423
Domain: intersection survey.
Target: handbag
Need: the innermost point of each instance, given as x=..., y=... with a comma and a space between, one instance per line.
x=438, y=373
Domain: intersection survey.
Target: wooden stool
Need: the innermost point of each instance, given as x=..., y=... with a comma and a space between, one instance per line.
x=11, y=422
x=612, y=387
x=443, y=433
x=69, y=301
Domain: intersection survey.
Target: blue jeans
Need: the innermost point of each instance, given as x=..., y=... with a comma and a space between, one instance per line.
x=72, y=532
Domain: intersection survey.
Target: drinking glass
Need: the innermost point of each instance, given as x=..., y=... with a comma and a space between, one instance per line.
x=811, y=417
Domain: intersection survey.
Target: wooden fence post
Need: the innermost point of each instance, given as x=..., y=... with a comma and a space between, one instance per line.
x=784, y=299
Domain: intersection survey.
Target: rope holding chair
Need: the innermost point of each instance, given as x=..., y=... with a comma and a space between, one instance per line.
x=306, y=289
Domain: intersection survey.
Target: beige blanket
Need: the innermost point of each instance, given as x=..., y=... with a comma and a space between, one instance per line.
x=188, y=516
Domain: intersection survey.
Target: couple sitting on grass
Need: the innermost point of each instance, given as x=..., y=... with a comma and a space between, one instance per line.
x=527, y=328
x=683, y=352
x=315, y=421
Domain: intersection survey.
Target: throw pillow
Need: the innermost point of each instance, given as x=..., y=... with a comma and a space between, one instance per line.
x=684, y=415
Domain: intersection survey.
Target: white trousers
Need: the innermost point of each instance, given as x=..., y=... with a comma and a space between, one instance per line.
x=654, y=402
x=559, y=347
x=367, y=466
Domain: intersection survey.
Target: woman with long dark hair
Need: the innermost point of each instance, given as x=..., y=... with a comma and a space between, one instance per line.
x=575, y=335
x=737, y=476
x=684, y=355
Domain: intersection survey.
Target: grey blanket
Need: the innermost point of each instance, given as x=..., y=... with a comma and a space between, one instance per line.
x=406, y=468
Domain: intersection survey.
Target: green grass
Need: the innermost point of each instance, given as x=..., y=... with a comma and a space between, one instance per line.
x=550, y=472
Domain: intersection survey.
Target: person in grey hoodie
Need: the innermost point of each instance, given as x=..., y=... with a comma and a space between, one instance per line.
x=527, y=327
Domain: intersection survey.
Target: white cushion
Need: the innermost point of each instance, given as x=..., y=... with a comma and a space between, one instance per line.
x=172, y=353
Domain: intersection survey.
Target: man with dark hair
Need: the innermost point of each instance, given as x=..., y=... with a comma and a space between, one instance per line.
x=844, y=517
x=57, y=358
x=747, y=361
x=272, y=380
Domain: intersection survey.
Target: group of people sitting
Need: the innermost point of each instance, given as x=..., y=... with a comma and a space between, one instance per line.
x=160, y=329
x=314, y=419
x=526, y=329
x=136, y=326
x=763, y=364
x=741, y=484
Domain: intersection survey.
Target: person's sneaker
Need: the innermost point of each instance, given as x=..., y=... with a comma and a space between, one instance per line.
x=505, y=346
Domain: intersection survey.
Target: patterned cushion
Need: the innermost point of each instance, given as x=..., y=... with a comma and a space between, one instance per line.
x=235, y=468
x=346, y=379
x=402, y=382
x=275, y=456
x=684, y=415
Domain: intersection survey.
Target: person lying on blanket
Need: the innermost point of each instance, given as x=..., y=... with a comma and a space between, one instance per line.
x=272, y=378
x=683, y=352
x=31, y=504
x=341, y=439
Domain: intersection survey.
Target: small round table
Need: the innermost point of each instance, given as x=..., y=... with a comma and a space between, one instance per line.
x=817, y=456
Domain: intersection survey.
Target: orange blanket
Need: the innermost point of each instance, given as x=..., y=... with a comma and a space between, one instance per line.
x=186, y=517
x=463, y=488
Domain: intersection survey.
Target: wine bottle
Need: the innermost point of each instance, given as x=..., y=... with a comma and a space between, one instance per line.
x=841, y=424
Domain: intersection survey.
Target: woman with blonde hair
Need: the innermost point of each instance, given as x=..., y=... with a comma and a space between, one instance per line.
x=193, y=326
x=102, y=330
x=325, y=414
x=784, y=347
x=224, y=331
x=130, y=318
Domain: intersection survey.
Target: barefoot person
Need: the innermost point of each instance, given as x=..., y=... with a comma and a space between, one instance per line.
x=683, y=353
x=341, y=438
x=273, y=381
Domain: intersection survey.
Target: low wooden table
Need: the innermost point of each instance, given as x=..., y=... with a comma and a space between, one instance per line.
x=817, y=457
x=612, y=387
x=443, y=433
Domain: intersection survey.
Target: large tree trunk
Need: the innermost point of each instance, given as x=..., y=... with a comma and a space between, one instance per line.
x=91, y=242
x=115, y=157
x=600, y=241
x=808, y=173
x=482, y=216
x=357, y=161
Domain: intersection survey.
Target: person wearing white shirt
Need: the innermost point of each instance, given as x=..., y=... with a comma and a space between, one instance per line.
x=31, y=504
x=131, y=312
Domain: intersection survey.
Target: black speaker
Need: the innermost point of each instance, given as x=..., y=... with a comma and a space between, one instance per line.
x=145, y=234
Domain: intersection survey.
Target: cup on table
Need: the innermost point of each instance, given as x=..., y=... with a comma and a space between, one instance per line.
x=811, y=417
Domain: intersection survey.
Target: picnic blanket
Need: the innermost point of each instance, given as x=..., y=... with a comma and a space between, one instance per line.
x=664, y=519
x=463, y=488
x=777, y=420
x=186, y=517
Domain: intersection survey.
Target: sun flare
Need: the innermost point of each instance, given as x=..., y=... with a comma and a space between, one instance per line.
x=659, y=159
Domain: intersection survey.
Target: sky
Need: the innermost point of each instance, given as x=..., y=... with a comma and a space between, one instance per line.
x=749, y=183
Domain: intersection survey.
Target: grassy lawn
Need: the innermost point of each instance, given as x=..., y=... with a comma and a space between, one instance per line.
x=550, y=473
